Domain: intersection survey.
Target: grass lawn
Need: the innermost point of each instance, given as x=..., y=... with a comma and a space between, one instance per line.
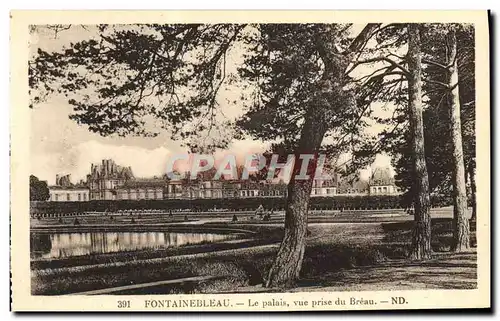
x=346, y=256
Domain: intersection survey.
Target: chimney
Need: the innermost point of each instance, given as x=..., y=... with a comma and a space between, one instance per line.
x=57, y=179
x=103, y=168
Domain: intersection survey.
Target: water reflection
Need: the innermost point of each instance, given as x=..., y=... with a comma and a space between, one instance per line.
x=62, y=245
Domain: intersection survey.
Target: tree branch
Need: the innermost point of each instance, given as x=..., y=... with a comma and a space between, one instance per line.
x=362, y=38
x=435, y=63
x=379, y=59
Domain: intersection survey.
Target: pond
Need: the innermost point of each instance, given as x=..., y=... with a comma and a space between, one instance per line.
x=63, y=245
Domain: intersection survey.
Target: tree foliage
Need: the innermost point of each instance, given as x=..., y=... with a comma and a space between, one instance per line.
x=395, y=138
x=39, y=190
x=437, y=133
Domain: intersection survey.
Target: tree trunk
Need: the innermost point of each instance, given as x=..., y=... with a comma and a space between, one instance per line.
x=287, y=265
x=461, y=240
x=421, y=242
x=473, y=219
x=472, y=177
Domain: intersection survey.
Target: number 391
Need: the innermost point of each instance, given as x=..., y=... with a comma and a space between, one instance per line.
x=123, y=304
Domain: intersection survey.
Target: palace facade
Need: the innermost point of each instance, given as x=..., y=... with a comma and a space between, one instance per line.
x=109, y=181
x=65, y=191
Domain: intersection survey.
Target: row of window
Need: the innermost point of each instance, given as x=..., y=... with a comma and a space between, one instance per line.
x=147, y=195
x=60, y=197
x=255, y=193
x=379, y=189
x=243, y=193
x=329, y=191
x=229, y=193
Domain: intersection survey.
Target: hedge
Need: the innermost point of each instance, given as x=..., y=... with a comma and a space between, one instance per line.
x=249, y=204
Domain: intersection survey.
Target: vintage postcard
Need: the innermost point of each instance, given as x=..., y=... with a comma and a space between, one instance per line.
x=249, y=160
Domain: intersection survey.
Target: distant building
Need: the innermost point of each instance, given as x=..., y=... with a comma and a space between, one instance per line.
x=109, y=181
x=324, y=188
x=352, y=185
x=137, y=189
x=104, y=179
x=65, y=191
x=382, y=182
x=69, y=194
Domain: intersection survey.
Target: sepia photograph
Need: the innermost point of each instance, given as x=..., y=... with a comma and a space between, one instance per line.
x=181, y=163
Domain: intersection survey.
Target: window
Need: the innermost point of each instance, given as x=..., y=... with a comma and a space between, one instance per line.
x=79, y=196
x=57, y=196
x=68, y=197
x=84, y=196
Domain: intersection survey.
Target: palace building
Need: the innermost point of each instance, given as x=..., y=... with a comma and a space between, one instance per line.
x=109, y=181
x=65, y=191
x=382, y=183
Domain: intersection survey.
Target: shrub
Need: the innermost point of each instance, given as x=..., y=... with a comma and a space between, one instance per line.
x=339, y=202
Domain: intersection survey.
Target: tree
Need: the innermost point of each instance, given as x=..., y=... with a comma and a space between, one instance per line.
x=438, y=143
x=39, y=190
x=293, y=109
x=421, y=242
x=451, y=70
x=294, y=81
x=448, y=81
x=460, y=221
x=413, y=138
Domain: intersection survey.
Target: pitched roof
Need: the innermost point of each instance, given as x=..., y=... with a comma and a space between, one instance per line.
x=144, y=183
x=70, y=187
x=382, y=176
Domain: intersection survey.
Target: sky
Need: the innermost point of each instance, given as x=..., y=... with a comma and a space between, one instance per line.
x=59, y=145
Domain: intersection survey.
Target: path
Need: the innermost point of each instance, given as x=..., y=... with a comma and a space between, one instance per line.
x=443, y=271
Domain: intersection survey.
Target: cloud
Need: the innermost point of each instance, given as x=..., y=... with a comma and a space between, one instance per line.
x=78, y=159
